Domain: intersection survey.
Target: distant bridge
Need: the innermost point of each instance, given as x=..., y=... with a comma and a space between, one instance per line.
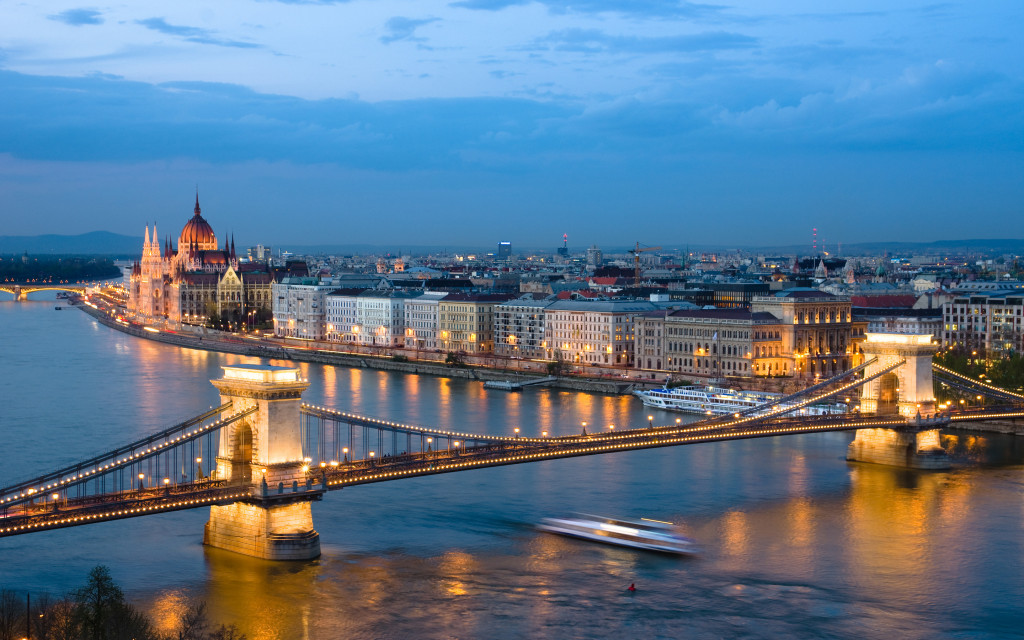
x=20, y=290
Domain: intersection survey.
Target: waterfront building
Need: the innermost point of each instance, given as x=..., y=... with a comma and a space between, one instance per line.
x=380, y=317
x=712, y=343
x=299, y=308
x=593, y=332
x=987, y=322
x=520, y=328
x=823, y=338
x=197, y=279
x=341, y=314
x=466, y=322
x=422, y=317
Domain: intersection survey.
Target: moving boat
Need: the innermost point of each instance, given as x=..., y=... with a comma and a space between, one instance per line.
x=710, y=400
x=650, y=535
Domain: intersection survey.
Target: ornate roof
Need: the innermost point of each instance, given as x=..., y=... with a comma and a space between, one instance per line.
x=198, y=230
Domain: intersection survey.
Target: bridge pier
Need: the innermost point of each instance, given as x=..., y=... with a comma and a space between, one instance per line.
x=913, y=450
x=265, y=452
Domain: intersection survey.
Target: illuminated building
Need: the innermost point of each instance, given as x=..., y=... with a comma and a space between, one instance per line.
x=197, y=279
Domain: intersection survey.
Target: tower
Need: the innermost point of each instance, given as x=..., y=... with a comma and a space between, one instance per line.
x=264, y=451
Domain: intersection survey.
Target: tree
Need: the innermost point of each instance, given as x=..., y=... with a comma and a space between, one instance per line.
x=10, y=614
x=102, y=613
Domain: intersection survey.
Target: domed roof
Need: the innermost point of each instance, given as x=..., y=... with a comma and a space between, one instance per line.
x=197, y=230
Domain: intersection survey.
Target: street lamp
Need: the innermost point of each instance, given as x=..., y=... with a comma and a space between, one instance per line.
x=344, y=451
x=650, y=421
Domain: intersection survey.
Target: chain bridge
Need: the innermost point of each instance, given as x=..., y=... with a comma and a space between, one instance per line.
x=260, y=458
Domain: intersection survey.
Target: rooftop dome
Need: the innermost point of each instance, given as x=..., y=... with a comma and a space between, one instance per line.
x=197, y=230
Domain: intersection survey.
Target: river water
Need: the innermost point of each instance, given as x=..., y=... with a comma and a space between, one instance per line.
x=796, y=541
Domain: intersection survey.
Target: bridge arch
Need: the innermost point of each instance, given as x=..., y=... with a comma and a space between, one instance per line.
x=20, y=290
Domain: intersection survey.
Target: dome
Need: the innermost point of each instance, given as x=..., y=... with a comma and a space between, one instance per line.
x=197, y=230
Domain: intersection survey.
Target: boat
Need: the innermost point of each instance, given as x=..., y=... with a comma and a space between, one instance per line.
x=57, y=307
x=711, y=400
x=649, y=535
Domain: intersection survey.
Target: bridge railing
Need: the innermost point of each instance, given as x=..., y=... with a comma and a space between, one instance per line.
x=180, y=454
x=961, y=381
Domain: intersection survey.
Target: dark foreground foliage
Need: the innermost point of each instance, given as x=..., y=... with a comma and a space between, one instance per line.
x=98, y=611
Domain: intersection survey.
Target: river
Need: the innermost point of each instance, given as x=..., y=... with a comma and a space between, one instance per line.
x=796, y=541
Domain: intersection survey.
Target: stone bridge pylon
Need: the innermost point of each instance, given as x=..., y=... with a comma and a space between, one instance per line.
x=907, y=391
x=264, y=451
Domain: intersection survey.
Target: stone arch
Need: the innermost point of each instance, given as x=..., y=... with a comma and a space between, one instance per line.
x=242, y=450
x=888, y=393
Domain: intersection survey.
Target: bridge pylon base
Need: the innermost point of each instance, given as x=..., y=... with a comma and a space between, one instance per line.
x=920, y=450
x=270, y=532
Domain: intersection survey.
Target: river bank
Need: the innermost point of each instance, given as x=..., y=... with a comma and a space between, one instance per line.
x=212, y=340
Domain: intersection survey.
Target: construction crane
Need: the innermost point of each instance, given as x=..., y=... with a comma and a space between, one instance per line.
x=636, y=260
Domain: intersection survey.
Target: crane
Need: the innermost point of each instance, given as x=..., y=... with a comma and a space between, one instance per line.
x=636, y=260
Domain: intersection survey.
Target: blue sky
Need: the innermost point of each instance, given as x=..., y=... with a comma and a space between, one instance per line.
x=466, y=122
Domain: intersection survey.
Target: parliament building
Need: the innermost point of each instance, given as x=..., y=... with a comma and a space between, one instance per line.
x=198, y=279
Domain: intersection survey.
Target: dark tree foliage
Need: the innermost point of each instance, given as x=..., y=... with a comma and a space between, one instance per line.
x=98, y=611
x=63, y=269
x=1005, y=371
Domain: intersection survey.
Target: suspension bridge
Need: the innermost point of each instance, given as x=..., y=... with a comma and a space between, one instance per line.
x=261, y=457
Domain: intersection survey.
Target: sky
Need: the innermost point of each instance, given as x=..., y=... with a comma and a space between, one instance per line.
x=406, y=123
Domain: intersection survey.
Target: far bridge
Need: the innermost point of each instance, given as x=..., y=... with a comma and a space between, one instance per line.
x=20, y=290
x=261, y=457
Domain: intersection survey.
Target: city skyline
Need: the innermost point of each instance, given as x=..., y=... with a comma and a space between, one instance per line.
x=466, y=123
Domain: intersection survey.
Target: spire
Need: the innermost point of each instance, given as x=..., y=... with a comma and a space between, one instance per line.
x=147, y=234
x=197, y=209
x=233, y=256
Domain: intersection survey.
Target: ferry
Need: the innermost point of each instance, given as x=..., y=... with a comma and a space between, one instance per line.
x=715, y=401
x=649, y=535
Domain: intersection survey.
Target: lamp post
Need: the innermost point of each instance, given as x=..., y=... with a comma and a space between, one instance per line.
x=650, y=422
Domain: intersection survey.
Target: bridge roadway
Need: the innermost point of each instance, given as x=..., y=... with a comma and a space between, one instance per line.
x=69, y=512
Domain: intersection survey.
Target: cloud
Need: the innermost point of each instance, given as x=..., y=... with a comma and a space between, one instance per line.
x=193, y=34
x=653, y=8
x=488, y=5
x=401, y=28
x=78, y=17
x=596, y=41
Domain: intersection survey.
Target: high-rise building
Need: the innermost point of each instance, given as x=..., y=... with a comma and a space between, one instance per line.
x=504, y=251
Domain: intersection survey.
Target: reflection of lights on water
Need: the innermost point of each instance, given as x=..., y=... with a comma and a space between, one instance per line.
x=735, y=533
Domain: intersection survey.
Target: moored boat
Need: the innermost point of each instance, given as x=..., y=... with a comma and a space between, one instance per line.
x=649, y=535
x=710, y=400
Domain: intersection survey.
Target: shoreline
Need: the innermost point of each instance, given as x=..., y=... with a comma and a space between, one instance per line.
x=263, y=349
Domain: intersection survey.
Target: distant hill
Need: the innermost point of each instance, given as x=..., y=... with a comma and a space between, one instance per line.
x=113, y=244
x=94, y=242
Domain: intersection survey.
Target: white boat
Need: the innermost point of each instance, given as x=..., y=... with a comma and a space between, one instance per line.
x=714, y=401
x=650, y=535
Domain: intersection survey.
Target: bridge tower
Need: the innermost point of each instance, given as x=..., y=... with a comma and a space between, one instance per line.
x=908, y=392
x=264, y=450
